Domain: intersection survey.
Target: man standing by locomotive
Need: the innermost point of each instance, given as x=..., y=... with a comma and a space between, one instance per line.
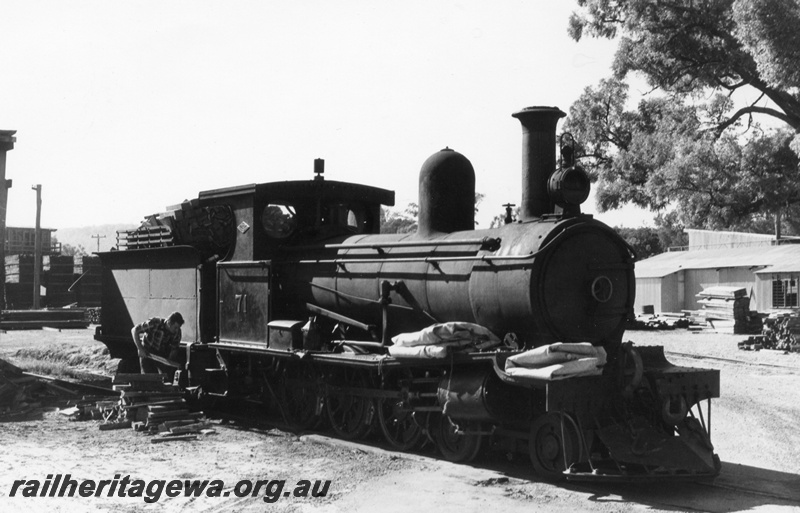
x=160, y=338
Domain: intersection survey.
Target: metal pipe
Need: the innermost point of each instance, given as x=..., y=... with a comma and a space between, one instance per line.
x=401, y=244
x=360, y=343
x=482, y=258
x=337, y=317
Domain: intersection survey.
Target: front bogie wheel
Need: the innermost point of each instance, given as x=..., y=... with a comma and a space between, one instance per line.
x=553, y=445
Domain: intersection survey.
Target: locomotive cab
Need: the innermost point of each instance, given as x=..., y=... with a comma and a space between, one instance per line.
x=270, y=216
x=170, y=262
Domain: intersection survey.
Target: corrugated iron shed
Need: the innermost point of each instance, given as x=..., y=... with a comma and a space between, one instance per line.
x=783, y=258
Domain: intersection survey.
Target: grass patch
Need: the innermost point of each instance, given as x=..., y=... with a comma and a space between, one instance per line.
x=67, y=361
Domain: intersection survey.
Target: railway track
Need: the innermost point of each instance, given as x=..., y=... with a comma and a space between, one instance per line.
x=727, y=488
x=731, y=360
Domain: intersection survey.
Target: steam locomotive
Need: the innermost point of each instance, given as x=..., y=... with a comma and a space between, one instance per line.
x=294, y=299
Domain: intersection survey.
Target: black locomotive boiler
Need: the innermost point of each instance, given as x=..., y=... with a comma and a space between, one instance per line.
x=295, y=300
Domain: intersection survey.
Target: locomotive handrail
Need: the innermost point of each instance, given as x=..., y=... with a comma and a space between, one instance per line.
x=485, y=241
x=476, y=258
x=481, y=258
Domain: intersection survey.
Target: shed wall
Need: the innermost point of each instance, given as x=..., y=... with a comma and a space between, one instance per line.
x=662, y=293
x=697, y=280
x=762, y=293
x=648, y=292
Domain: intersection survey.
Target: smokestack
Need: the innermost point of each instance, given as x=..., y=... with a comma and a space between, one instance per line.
x=538, y=158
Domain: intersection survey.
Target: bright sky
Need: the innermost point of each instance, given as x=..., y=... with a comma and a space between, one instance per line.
x=123, y=108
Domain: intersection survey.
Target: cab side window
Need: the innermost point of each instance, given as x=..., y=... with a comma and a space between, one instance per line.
x=347, y=215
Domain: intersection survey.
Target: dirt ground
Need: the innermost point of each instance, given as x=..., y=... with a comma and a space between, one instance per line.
x=754, y=429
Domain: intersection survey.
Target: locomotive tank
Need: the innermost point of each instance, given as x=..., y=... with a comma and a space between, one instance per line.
x=560, y=280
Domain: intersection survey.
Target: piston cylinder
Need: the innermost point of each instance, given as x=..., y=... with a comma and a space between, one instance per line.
x=478, y=394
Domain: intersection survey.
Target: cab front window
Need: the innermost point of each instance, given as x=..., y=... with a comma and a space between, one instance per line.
x=279, y=220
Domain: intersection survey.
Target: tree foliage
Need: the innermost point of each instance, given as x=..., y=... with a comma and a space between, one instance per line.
x=393, y=221
x=690, y=46
x=399, y=222
x=688, y=146
x=69, y=250
x=647, y=241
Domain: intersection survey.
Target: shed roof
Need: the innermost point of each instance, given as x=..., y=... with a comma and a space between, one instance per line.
x=783, y=258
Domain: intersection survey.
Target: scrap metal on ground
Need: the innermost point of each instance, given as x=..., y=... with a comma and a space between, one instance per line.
x=22, y=393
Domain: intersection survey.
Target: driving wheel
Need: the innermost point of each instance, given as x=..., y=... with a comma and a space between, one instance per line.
x=350, y=414
x=396, y=419
x=299, y=396
x=456, y=445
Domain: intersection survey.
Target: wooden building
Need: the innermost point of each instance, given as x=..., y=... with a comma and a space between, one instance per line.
x=20, y=241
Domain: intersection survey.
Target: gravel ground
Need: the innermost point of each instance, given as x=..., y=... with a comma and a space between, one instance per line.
x=754, y=431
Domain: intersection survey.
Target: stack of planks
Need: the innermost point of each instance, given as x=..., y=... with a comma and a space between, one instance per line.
x=148, y=404
x=728, y=308
x=57, y=318
x=146, y=236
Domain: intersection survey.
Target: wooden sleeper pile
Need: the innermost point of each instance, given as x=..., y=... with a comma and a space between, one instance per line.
x=725, y=306
x=147, y=404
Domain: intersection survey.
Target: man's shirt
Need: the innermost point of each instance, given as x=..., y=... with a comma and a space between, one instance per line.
x=157, y=339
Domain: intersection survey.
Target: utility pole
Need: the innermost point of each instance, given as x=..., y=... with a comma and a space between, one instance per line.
x=7, y=141
x=37, y=251
x=98, y=237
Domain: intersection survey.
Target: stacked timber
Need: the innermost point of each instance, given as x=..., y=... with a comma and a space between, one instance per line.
x=726, y=308
x=87, y=283
x=659, y=321
x=782, y=332
x=145, y=236
x=205, y=227
x=58, y=277
x=148, y=404
x=65, y=280
x=19, y=281
x=92, y=407
x=59, y=318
